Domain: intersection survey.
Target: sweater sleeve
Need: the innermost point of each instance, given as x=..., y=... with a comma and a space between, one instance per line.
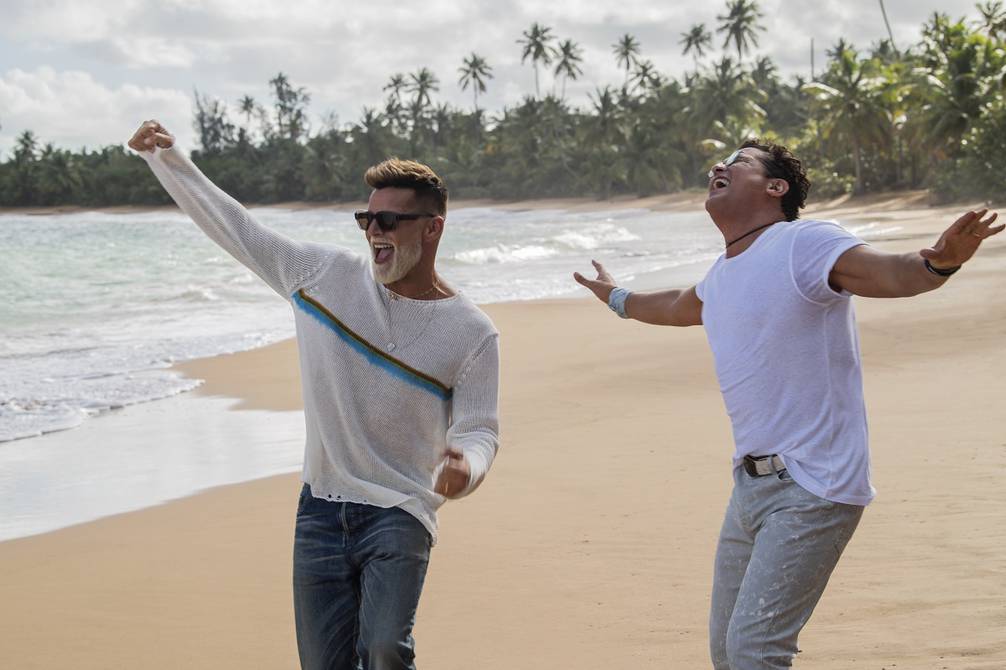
x=282, y=263
x=474, y=425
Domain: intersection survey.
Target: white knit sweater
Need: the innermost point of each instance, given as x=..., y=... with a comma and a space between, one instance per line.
x=389, y=382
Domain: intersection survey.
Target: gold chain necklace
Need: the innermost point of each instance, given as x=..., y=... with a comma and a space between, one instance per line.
x=428, y=291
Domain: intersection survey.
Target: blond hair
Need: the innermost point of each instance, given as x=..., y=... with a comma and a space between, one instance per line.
x=398, y=173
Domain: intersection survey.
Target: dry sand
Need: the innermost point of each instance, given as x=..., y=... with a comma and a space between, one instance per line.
x=590, y=544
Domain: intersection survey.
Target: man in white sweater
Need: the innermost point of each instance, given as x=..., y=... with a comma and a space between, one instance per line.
x=400, y=383
x=777, y=311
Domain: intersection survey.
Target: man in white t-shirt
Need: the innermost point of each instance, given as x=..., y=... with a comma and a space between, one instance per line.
x=778, y=314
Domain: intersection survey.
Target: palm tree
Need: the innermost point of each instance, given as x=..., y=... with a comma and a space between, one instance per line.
x=393, y=107
x=537, y=46
x=887, y=23
x=852, y=113
x=645, y=76
x=960, y=74
x=606, y=139
x=626, y=51
x=441, y=125
x=291, y=107
x=568, y=59
x=26, y=146
x=396, y=84
x=727, y=91
x=25, y=186
x=993, y=17
x=697, y=40
x=763, y=74
x=371, y=138
x=841, y=46
x=421, y=82
x=474, y=72
x=58, y=176
x=247, y=106
x=740, y=25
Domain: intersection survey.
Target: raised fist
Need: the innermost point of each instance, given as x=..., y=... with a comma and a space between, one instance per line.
x=151, y=134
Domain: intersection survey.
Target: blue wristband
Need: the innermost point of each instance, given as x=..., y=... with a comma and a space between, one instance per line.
x=616, y=300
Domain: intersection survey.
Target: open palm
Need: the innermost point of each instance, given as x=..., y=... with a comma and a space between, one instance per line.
x=961, y=240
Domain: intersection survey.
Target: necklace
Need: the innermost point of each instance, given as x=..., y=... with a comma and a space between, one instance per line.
x=418, y=310
x=436, y=287
x=427, y=291
x=750, y=232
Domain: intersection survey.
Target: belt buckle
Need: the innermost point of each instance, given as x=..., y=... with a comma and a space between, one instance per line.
x=751, y=465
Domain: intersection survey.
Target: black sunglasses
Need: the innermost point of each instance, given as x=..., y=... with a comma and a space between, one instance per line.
x=385, y=220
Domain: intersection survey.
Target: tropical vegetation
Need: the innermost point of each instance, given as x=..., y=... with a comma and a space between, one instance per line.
x=932, y=115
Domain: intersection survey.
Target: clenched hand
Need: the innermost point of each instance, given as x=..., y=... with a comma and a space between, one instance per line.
x=149, y=135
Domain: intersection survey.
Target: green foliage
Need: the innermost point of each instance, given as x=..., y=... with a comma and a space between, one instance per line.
x=932, y=115
x=976, y=172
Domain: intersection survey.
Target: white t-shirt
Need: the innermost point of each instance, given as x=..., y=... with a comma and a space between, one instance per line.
x=787, y=357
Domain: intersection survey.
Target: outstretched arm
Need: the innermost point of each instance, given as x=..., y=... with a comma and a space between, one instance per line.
x=672, y=307
x=871, y=273
x=283, y=263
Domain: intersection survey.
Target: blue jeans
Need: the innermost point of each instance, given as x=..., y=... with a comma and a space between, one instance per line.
x=358, y=571
x=777, y=549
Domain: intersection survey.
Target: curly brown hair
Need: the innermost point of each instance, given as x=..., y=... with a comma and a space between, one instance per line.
x=782, y=164
x=397, y=173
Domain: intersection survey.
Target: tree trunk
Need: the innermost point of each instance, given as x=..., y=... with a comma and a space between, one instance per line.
x=888, y=24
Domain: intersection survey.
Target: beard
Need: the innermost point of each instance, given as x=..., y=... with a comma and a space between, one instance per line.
x=406, y=257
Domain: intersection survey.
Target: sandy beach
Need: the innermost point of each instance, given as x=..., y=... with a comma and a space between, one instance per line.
x=590, y=544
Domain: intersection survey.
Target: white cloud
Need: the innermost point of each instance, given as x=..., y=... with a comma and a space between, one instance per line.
x=71, y=109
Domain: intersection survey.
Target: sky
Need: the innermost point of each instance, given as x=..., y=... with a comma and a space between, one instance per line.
x=87, y=73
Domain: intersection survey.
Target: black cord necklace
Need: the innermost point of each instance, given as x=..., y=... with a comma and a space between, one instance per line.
x=750, y=232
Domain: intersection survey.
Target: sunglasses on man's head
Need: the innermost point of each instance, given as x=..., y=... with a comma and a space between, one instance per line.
x=386, y=221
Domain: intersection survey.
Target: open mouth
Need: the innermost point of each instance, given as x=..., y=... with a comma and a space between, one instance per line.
x=382, y=252
x=719, y=183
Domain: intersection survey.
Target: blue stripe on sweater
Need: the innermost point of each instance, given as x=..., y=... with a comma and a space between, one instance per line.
x=388, y=364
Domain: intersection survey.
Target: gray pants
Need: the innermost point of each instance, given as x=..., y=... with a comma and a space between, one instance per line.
x=777, y=548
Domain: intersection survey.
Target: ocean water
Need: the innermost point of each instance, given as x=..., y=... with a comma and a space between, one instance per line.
x=96, y=307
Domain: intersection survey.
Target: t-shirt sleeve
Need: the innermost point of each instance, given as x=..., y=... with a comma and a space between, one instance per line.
x=700, y=288
x=816, y=248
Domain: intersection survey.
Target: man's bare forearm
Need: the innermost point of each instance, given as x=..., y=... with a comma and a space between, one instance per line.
x=911, y=276
x=670, y=307
x=897, y=276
